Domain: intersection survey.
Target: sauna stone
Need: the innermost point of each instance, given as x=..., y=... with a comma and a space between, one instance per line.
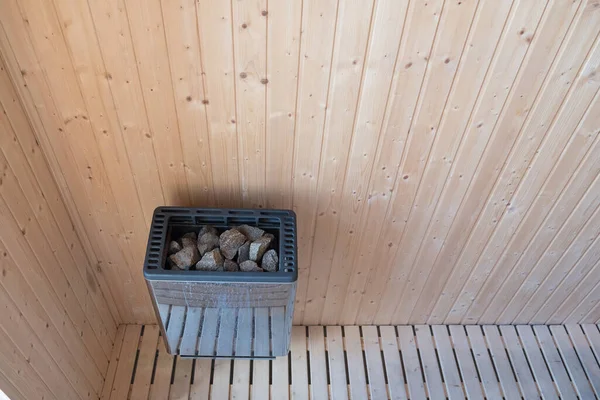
x=211, y=261
x=258, y=247
x=207, y=242
x=185, y=258
x=230, y=241
x=230, y=266
x=270, y=261
x=244, y=252
x=251, y=232
x=250, y=266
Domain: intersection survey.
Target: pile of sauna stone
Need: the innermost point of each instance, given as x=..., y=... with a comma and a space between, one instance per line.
x=243, y=248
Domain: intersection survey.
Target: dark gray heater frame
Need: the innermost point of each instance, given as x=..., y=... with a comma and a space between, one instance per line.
x=223, y=314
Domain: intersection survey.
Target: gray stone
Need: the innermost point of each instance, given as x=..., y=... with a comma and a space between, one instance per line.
x=174, y=247
x=211, y=261
x=185, y=258
x=207, y=242
x=230, y=241
x=189, y=239
x=251, y=232
x=244, y=252
x=270, y=261
x=208, y=229
x=250, y=266
x=258, y=247
x=230, y=266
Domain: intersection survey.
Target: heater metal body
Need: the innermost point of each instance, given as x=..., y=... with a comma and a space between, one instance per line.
x=223, y=314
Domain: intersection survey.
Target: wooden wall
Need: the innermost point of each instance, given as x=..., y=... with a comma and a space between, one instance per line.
x=442, y=155
x=56, y=327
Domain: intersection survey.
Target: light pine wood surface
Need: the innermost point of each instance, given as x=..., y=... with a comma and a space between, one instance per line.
x=442, y=156
x=371, y=362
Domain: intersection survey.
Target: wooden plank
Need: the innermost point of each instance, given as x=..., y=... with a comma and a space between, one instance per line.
x=519, y=362
x=447, y=362
x=27, y=203
x=120, y=388
x=163, y=311
x=387, y=25
x=374, y=361
x=181, y=35
x=112, y=365
x=221, y=373
x=180, y=389
x=260, y=379
x=19, y=373
x=34, y=284
x=316, y=51
x=445, y=56
x=554, y=362
x=299, y=389
x=347, y=66
x=412, y=364
x=280, y=385
x=15, y=329
x=261, y=332
x=421, y=22
x=145, y=363
x=584, y=214
x=318, y=367
x=191, y=329
x=571, y=362
x=337, y=367
x=501, y=362
x=243, y=341
x=215, y=32
x=462, y=218
x=393, y=365
x=200, y=389
x=593, y=336
x=249, y=27
x=162, y=374
x=241, y=380
x=561, y=103
x=283, y=50
x=175, y=328
x=279, y=340
x=489, y=381
x=586, y=356
x=227, y=326
x=146, y=26
x=537, y=362
x=208, y=335
x=466, y=364
x=355, y=360
x=433, y=378
x=43, y=318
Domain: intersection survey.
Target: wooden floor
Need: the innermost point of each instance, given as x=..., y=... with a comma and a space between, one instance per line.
x=385, y=362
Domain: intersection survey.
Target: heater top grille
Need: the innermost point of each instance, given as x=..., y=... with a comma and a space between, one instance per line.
x=172, y=221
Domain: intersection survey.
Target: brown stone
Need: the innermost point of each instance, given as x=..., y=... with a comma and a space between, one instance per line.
x=270, y=261
x=258, y=247
x=185, y=258
x=230, y=241
x=250, y=266
x=189, y=240
x=230, y=266
x=174, y=247
x=211, y=261
x=244, y=252
x=207, y=242
x=251, y=232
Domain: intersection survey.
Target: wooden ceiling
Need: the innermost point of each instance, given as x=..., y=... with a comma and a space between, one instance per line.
x=442, y=156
